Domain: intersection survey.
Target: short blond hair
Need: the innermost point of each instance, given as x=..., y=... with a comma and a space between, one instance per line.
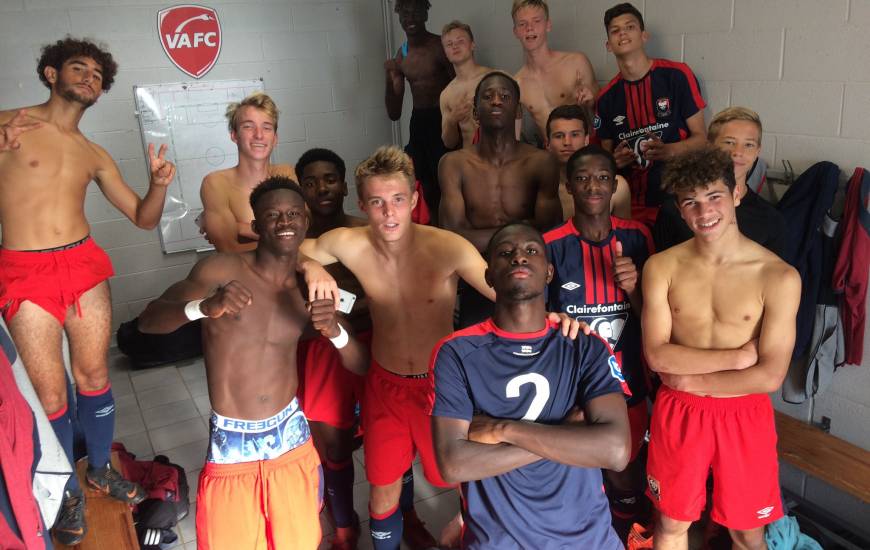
x=257, y=100
x=387, y=160
x=520, y=4
x=731, y=114
x=456, y=24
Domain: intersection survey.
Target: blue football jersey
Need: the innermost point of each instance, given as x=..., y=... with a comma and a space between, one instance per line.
x=584, y=288
x=537, y=377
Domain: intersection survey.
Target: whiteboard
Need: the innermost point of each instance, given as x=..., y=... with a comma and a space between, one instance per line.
x=190, y=118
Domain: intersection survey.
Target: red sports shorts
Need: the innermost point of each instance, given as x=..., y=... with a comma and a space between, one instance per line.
x=396, y=424
x=328, y=392
x=735, y=437
x=54, y=280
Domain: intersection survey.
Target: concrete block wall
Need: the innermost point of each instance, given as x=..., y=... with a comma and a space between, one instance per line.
x=802, y=64
x=321, y=62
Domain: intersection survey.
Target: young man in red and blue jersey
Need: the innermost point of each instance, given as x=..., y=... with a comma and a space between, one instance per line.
x=507, y=421
x=596, y=259
x=649, y=113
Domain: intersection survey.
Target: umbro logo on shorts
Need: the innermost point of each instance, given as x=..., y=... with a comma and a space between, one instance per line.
x=765, y=512
x=571, y=285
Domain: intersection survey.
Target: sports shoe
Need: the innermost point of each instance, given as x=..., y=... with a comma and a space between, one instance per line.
x=414, y=532
x=70, y=528
x=109, y=481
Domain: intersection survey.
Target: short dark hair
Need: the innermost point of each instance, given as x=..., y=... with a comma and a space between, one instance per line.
x=493, y=74
x=402, y=3
x=698, y=168
x=487, y=252
x=622, y=9
x=317, y=155
x=591, y=150
x=273, y=183
x=55, y=55
x=570, y=112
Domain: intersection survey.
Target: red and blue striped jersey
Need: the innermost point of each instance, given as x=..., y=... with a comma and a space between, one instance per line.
x=659, y=104
x=584, y=287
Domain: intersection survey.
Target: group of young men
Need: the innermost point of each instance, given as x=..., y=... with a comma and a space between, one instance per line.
x=527, y=417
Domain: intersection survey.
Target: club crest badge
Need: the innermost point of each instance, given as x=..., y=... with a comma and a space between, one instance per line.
x=663, y=107
x=191, y=37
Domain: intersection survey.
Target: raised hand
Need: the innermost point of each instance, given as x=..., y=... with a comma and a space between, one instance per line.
x=623, y=155
x=230, y=299
x=624, y=270
x=570, y=327
x=323, y=317
x=162, y=171
x=654, y=148
x=10, y=131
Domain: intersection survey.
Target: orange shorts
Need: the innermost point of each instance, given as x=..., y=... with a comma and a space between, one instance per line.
x=260, y=505
x=54, y=280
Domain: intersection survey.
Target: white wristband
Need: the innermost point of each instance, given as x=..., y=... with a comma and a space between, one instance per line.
x=341, y=340
x=192, y=310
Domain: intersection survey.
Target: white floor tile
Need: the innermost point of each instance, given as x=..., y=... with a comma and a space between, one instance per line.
x=155, y=397
x=197, y=386
x=170, y=413
x=192, y=371
x=190, y=456
x=203, y=404
x=193, y=483
x=137, y=443
x=154, y=378
x=186, y=528
x=125, y=404
x=176, y=435
x=128, y=423
x=121, y=385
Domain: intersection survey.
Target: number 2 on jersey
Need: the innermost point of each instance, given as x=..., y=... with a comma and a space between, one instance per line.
x=542, y=392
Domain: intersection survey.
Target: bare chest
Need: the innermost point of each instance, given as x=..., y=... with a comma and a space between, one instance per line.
x=48, y=160
x=507, y=191
x=544, y=93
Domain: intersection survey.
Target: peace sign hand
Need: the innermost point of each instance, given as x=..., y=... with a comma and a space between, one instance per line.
x=10, y=131
x=162, y=171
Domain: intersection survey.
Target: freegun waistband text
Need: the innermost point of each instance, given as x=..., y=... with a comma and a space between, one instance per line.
x=233, y=440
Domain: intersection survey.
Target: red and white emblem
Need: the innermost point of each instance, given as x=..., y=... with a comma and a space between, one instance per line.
x=191, y=37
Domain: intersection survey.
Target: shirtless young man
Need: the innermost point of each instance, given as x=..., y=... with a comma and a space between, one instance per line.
x=226, y=215
x=647, y=114
x=719, y=328
x=54, y=275
x=328, y=392
x=261, y=481
x=568, y=128
x=496, y=181
x=422, y=61
x=548, y=78
x=458, y=127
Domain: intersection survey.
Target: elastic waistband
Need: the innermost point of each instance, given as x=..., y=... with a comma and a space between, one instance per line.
x=422, y=380
x=234, y=441
x=300, y=453
x=717, y=403
x=237, y=425
x=70, y=249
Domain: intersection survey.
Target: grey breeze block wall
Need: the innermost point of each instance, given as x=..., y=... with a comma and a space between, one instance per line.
x=321, y=62
x=802, y=64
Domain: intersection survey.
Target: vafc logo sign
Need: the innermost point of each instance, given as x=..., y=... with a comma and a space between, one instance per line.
x=191, y=37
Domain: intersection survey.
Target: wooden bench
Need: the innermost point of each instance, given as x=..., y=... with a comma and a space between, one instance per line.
x=110, y=522
x=824, y=456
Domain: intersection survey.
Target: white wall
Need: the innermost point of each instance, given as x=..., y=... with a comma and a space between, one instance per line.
x=321, y=62
x=802, y=64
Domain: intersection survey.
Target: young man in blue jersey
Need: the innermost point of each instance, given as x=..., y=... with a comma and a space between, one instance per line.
x=649, y=113
x=596, y=258
x=524, y=418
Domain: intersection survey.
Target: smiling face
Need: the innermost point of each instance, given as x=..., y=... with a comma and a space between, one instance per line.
x=592, y=184
x=388, y=201
x=256, y=134
x=80, y=79
x=517, y=267
x=710, y=210
x=413, y=15
x=323, y=188
x=280, y=220
x=531, y=26
x=624, y=35
x=566, y=136
x=497, y=102
x=742, y=140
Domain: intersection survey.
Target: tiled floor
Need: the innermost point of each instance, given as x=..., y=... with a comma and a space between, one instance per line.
x=165, y=411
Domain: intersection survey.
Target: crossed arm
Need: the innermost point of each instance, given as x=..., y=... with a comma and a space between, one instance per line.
x=487, y=447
